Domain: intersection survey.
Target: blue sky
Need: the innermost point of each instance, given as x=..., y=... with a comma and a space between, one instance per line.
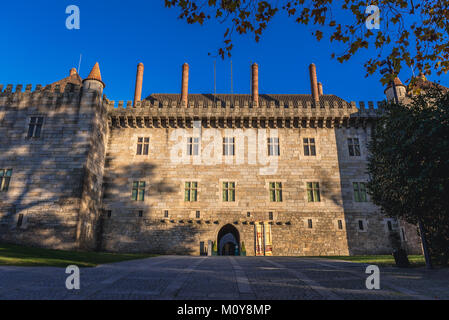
x=37, y=48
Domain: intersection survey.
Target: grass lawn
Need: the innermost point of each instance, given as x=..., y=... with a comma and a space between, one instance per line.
x=14, y=255
x=385, y=260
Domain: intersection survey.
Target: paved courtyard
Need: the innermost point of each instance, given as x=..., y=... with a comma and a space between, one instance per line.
x=182, y=277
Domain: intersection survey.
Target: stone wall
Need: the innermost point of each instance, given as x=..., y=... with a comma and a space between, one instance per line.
x=47, y=180
x=182, y=232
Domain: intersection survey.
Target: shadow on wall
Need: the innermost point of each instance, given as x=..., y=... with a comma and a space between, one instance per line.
x=41, y=205
x=135, y=226
x=371, y=238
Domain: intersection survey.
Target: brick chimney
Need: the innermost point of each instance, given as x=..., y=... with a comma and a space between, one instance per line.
x=320, y=88
x=314, y=83
x=73, y=71
x=139, y=81
x=255, y=83
x=185, y=84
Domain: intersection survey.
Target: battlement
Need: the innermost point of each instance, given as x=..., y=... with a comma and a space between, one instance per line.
x=175, y=113
x=9, y=89
x=48, y=96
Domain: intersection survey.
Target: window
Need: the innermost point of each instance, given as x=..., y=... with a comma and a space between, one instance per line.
x=248, y=214
x=273, y=147
x=360, y=192
x=310, y=223
x=109, y=213
x=193, y=146
x=5, y=178
x=389, y=225
x=228, y=146
x=361, y=225
x=35, y=127
x=143, y=145
x=165, y=213
x=309, y=147
x=198, y=214
x=340, y=225
x=140, y=213
x=313, y=192
x=191, y=192
x=270, y=215
x=138, y=193
x=228, y=191
x=403, y=234
x=20, y=220
x=276, y=191
x=354, y=147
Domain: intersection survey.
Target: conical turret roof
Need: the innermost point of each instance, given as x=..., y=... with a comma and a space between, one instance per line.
x=95, y=74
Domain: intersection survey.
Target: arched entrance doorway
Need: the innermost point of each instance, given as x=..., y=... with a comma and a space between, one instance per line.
x=228, y=241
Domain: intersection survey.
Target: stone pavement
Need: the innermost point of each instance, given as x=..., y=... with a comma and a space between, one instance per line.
x=228, y=278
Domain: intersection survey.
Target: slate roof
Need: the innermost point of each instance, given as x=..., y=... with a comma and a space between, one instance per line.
x=297, y=99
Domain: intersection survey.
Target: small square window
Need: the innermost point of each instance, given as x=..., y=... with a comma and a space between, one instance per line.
x=310, y=223
x=361, y=225
x=340, y=225
x=20, y=220
x=140, y=213
x=248, y=214
x=389, y=225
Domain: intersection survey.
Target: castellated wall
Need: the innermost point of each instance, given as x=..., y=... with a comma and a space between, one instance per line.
x=51, y=174
x=182, y=231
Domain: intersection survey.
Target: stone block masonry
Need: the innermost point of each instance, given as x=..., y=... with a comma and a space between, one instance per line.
x=89, y=175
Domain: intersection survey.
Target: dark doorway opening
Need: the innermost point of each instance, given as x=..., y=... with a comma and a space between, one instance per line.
x=228, y=241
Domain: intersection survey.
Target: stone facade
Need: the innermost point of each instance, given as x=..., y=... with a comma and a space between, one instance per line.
x=72, y=187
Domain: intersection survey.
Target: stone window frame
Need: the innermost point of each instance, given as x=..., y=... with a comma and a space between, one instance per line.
x=314, y=220
x=272, y=206
x=343, y=224
x=323, y=201
x=276, y=188
x=272, y=151
x=365, y=225
x=359, y=144
x=139, y=188
x=368, y=199
x=133, y=145
x=220, y=192
x=3, y=178
x=28, y=123
x=199, y=189
x=143, y=144
x=226, y=145
x=310, y=133
x=309, y=144
x=394, y=225
x=190, y=146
